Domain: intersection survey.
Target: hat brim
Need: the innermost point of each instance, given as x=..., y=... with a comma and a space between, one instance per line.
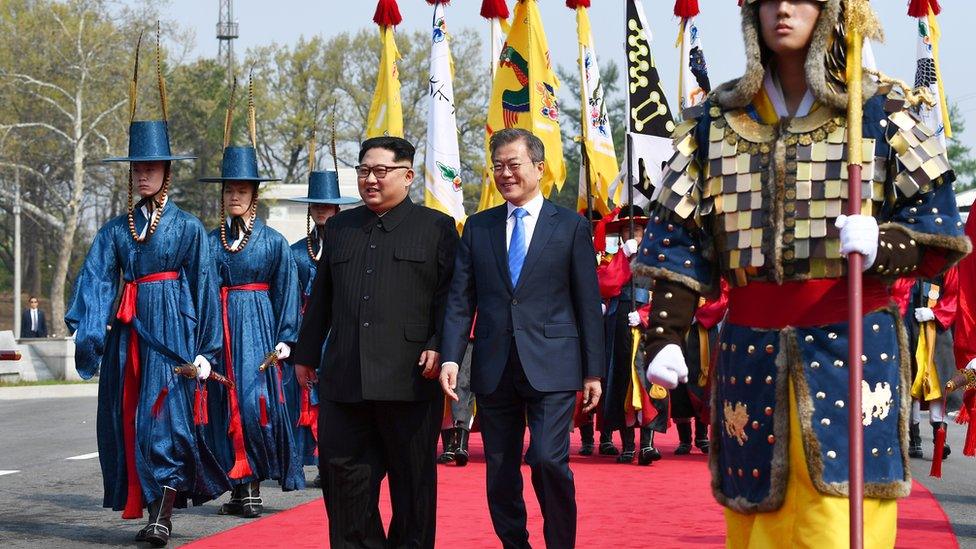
x=616, y=224
x=341, y=201
x=148, y=158
x=223, y=179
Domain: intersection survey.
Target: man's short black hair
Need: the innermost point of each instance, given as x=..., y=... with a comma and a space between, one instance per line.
x=401, y=148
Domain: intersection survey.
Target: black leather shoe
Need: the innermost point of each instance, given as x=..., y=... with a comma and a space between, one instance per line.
x=647, y=455
x=914, y=442
x=461, y=451
x=449, y=443
x=586, y=449
x=683, y=449
x=317, y=482
x=702, y=444
x=160, y=519
x=608, y=449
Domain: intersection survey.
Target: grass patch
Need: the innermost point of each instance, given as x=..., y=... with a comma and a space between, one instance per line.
x=45, y=382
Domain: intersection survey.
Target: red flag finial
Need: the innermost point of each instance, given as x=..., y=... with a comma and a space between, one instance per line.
x=920, y=8
x=494, y=9
x=387, y=14
x=435, y=2
x=573, y=4
x=687, y=8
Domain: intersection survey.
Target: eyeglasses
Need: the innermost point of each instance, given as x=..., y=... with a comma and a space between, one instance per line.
x=514, y=167
x=380, y=171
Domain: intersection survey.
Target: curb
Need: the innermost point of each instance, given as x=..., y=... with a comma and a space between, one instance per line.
x=73, y=390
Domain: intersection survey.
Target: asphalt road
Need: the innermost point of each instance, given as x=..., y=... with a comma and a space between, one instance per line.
x=54, y=501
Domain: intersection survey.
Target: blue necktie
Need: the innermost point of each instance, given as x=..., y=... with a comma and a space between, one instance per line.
x=516, y=247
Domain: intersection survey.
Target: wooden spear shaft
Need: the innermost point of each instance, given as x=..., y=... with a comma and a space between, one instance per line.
x=855, y=264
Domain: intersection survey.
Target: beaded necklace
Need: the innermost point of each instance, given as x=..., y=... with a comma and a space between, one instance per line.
x=158, y=211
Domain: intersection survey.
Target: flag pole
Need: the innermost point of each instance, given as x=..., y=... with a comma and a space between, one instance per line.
x=854, y=23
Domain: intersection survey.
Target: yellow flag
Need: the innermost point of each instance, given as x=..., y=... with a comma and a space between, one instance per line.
x=386, y=112
x=523, y=95
x=601, y=159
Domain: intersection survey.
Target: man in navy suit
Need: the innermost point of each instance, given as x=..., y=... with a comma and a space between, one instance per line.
x=528, y=267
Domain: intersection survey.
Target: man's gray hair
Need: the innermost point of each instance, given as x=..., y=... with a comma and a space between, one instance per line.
x=537, y=150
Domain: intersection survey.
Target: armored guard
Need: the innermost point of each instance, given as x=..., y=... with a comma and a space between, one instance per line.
x=754, y=194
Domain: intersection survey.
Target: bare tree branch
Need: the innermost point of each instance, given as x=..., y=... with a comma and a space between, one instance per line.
x=44, y=125
x=33, y=210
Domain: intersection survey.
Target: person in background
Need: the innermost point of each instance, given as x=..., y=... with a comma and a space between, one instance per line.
x=32, y=321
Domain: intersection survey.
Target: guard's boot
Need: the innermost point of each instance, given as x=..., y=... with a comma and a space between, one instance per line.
x=701, y=435
x=914, y=441
x=606, y=444
x=586, y=437
x=945, y=447
x=234, y=506
x=648, y=453
x=684, y=438
x=626, y=445
x=461, y=452
x=160, y=517
x=251, y=503
x=449, y=442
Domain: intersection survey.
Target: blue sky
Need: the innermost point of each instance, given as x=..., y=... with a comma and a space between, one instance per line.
x=283, y=21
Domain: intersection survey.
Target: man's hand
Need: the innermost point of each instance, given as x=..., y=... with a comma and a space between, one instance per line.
x=924, y=314
x=305, y=375
x=630, y=247
x=592, y=390
x=633, y=319
x=203, y=367
x=859, y=233
x=282, y=350
x=971, y=365
x=668, y=367
x=430, y=361
x=448, y=379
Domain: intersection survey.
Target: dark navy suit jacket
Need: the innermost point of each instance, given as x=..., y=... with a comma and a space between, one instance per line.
x=553, y=314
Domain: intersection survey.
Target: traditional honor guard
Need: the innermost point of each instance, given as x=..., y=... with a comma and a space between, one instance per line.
x=624, y=385
x=929, y=320
x=754, y=194
x=258, y=278
x=323, y=202
x=150, y=447
x=689, y=400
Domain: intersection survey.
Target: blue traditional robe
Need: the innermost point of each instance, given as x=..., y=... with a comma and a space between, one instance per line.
x=304, y=438
x=175, y=319
x=257, y=320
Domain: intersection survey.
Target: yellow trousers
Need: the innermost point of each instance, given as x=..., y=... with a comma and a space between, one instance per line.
x=809, y=519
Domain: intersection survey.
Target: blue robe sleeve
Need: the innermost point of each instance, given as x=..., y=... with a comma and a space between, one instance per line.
x=675, y=244
x=201, y=275
x=284, y=299
x=91, y=311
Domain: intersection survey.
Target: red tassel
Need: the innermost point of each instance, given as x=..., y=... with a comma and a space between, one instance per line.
x=494, y=9
x=435, y=2
x=573, y=4
x=940, y=436
x=920, y=8
x=264, y=412
x=387, y=14
x=305, y=416
x=687, y=8
x=200, y=414
x=962, y=417
x=157, y=406
x=969, y=405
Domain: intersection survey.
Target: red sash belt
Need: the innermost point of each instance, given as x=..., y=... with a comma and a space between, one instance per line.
x=241, y=467
x=131, y=384
x=806, y=303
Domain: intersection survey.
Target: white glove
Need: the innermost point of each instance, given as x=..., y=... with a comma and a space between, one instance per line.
x=633, y=319
x=283, y=350
x=603, y=308
x=203, y=367
x=859, y=233
x=630, y=247
x=924, y=314
x=971, y=365
x=668, y=367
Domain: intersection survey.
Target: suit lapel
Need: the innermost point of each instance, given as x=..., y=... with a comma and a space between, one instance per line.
x=544, y=228
x=496, y=233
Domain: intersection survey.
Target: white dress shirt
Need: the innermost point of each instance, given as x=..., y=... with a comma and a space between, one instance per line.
x=533, y=208
x=149, y=218
x=240, y=237
x=33, y=320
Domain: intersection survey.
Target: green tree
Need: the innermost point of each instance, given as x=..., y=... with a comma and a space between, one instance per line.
x=960, y=155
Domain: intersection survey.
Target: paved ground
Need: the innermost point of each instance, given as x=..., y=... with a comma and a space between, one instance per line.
x=53, y=501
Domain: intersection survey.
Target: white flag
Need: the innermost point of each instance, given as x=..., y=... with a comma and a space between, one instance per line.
x=442, y=165
x=694, y=73
x=927, y=76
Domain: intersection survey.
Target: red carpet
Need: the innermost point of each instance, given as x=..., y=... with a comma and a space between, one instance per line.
x=676, y=509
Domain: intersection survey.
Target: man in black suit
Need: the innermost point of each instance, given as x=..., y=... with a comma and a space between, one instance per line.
x=529, y=269
x=32, y=323
x=381, y=288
